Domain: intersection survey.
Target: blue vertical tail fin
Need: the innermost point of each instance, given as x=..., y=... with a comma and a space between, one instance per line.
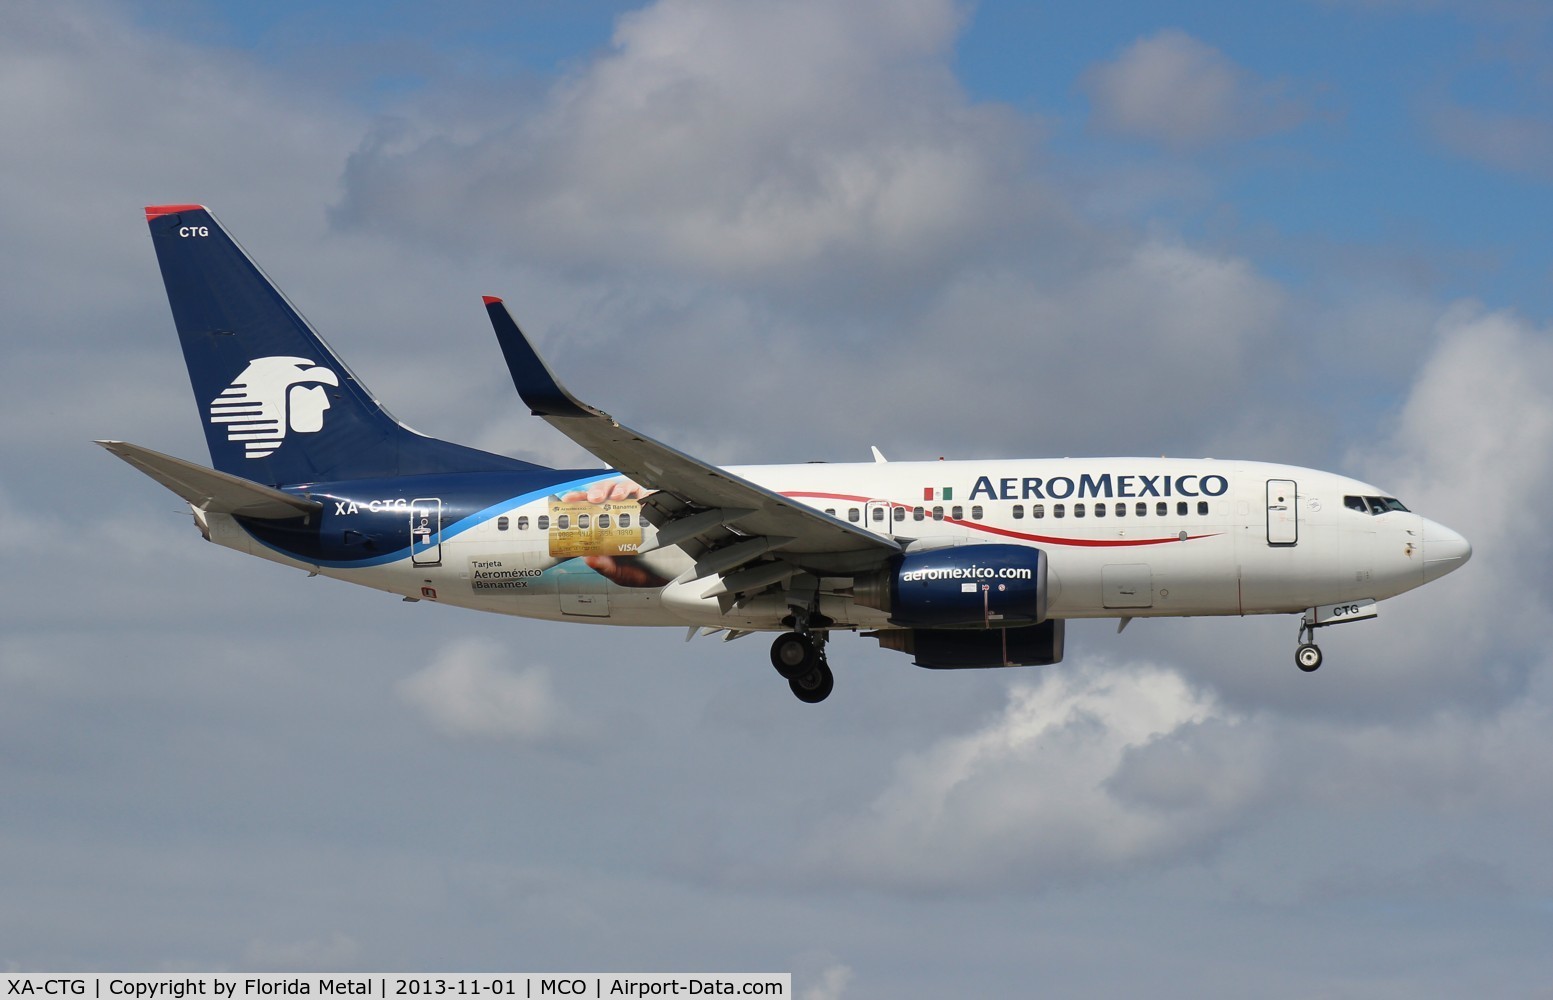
x=278, y=406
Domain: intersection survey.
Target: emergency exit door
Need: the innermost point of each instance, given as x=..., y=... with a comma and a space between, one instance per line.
x=426, y=532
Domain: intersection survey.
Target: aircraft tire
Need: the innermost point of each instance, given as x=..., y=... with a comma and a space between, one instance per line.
x=1308, y=656
x=794, y=655
x=815, y=686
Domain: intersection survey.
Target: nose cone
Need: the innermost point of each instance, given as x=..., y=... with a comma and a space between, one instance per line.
x=1444, y=550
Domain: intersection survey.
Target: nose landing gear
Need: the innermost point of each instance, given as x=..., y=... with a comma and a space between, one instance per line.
x=1307, y=656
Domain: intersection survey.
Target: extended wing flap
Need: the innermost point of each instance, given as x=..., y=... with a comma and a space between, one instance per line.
x=699, y=485
x=209, y=490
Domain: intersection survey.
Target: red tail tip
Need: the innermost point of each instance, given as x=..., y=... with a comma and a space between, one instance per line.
x=491, y=300
x=157, y=211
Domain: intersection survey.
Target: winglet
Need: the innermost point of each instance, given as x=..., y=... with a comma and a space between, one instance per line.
x=545, y=396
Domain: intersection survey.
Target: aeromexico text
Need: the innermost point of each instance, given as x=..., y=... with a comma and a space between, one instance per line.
x=1102, y=487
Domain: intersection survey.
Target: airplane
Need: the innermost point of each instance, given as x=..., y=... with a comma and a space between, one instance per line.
x=959, y=564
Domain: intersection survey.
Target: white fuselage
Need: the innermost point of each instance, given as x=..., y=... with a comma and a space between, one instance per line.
x=1124, y=537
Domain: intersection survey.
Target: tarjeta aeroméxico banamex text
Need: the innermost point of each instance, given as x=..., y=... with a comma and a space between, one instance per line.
x=959, y=564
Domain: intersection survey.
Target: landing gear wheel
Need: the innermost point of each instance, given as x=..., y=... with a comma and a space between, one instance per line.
x=815, y=686
x=1308, y=656
x=794, y=655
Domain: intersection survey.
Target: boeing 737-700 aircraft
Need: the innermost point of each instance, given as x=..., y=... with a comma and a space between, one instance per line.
x=956, y=563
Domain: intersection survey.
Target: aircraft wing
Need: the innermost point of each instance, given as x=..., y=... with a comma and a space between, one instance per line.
x=727, y=523
x=209, y=490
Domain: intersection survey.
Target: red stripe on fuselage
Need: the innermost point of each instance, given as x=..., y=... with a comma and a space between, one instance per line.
x=1007, y=533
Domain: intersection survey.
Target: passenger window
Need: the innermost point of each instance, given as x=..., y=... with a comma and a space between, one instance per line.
x=917, y=513
x=1161, y=509
x=831, y=511
x=625, y=520
x=1019, y=512
x=523, y=522
x=938, y=513
x=544, y=522
x=1180, y=508
x=1100, y=510
x=1202, y=506
x=1121, y=510
x=563, y=521
x=1038, y=510
x=583, y=520
x=958, y=513
x=900, y=513
x=1142, y=509
x=1078, y=510
x=878, y=513
x=976, y=513
x=603, y=520
x=853, y=515
x=1059, y=510
x=501, y=523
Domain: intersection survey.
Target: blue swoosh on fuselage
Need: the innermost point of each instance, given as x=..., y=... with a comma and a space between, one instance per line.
x=352, y=534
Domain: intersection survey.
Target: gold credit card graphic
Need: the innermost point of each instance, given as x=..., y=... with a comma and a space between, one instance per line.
x=580, y=528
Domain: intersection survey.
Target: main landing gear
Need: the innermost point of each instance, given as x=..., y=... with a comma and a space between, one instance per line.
x=799, y=656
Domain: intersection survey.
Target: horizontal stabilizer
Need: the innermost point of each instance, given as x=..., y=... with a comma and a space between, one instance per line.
x=209, y=490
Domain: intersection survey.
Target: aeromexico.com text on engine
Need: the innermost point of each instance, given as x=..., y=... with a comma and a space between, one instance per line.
x=929, y=573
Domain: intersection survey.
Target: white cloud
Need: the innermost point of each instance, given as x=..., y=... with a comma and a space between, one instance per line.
x=468, y=692
x=1091, y=771
x=1175, y=89
x=1471, y=449
x=802, y=196
x=1158, y=312
x=1467, y=444
x=116, y=118
x=745, y=143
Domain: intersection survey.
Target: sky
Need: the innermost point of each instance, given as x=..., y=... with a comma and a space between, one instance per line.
x=1307, y=232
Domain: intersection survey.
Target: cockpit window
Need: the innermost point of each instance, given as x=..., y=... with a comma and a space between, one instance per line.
x=1373, y=505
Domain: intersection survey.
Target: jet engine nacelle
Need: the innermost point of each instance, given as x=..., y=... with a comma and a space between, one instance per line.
x=966, y=648
x=967, y=585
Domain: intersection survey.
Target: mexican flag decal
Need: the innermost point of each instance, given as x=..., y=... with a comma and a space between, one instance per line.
x=942, y=493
